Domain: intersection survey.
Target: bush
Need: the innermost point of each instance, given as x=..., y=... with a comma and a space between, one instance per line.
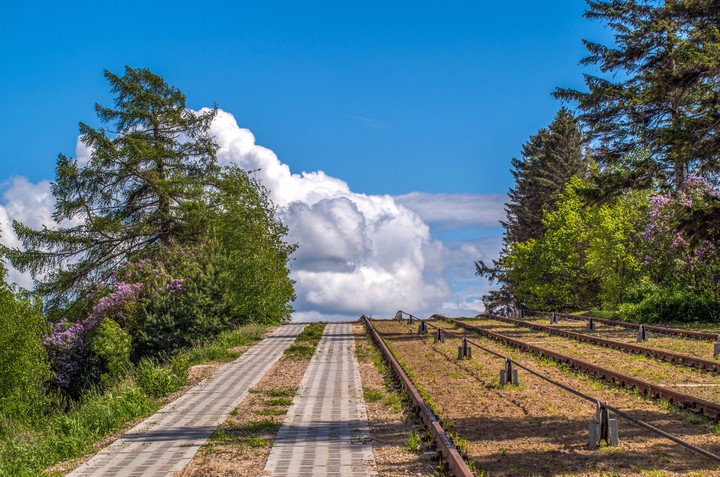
x=112, y=345
x=158, y=381
x=673, y=306
x=23, y=361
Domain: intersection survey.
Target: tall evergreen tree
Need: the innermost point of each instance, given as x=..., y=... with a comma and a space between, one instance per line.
x=143, y=186
x=549, y=160
x=664, y=97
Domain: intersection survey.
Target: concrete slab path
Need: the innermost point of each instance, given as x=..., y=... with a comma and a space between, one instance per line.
x=166, y=441
x=326, y=432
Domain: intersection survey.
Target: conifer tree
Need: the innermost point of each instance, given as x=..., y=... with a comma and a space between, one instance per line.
x=143, y=186
x=549, y=160
x=662, y=95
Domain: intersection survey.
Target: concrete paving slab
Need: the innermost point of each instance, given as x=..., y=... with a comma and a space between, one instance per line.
x=166, y=441
x=326, y=432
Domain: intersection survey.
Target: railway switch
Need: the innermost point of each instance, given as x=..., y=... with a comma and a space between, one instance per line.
x=602, y=428
x=439, y=336
x=509, y=375
x=422, y=327
x=465, y=351
x=642, y=333
x=591, y=325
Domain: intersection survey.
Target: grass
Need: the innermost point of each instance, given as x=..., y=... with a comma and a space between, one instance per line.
x=372, y=395
x=306, y=342
x=27, y=450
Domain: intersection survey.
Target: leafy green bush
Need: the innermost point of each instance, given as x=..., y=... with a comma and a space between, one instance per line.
x=158, y=381
x=23, y=361
x=669, y=305
x=112, y=345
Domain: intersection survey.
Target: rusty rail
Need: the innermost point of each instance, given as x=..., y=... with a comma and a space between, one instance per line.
x=617, y=412
x=677, y=358
x=456, y=465
x=691, y=403
x=691, y=334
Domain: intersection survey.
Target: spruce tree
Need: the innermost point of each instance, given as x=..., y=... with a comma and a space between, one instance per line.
x=144, y=185
x=661, y=94
x=549, y=160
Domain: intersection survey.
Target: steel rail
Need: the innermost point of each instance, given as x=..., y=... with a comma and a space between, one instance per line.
x=691, y=334
x=456, y=465
x=618, y=412
x=691, y=403
x=662, y=355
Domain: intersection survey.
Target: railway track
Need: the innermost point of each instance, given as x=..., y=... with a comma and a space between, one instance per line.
x=683, y=401
x=677, y=358
x=697, y=405
x=456, y=464
x=690, y=334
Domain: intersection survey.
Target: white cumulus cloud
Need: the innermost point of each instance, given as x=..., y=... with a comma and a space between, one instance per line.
x=358, y=253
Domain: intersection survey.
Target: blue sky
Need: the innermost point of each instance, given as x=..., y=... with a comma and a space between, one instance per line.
x=390, y=97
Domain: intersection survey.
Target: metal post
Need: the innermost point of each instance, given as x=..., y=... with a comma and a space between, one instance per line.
x=602, y=428
x=509, y=375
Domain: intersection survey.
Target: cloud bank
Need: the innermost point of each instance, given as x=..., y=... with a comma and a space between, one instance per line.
x=359, y=253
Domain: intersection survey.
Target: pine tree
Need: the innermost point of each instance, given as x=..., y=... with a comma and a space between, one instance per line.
x=549, y=160
x=663, y=97
x=144, y=185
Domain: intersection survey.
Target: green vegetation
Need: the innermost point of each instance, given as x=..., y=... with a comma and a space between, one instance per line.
x=306, y=342
x=624, y=217
x=162, y=259
x=64, y=429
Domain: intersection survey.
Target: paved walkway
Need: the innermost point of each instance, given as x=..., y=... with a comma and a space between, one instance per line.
x=326, y=431
x=165, y=442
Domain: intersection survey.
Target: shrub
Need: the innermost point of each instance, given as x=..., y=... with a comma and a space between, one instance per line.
x=669, y=305
x=112, y=345
x=23, y=361
x=158, y=381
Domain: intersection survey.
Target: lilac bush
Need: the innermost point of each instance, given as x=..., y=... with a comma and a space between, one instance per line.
x=671, y=259
x=76, y=363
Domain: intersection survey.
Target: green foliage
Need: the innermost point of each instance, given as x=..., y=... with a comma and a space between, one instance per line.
x=143, y=186
x=615, y=250
x=23, y=361
x=683, y=306
x=661, y=91
x=157, y=381
x=26, y=451
x=549, y=159
x=112, y=345
x=550, y=272
x=257, y=255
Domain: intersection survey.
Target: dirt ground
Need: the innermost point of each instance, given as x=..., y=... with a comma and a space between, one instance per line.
x=679, y=378
x=696, y=348
x=537, y=428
